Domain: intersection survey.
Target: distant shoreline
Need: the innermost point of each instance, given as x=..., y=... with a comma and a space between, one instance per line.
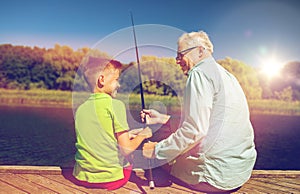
x=36, y=98
x=63, y=99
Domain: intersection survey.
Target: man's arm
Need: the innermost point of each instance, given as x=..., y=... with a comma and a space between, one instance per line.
x=198, y=104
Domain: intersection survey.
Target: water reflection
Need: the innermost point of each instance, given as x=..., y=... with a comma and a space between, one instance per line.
x=45, y=136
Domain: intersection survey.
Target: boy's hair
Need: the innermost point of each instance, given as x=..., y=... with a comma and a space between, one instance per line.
x=95, y=65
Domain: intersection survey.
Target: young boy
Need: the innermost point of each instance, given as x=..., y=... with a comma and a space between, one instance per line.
x=103, y=138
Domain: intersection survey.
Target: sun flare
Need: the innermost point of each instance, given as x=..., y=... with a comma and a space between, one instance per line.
x=271, y=67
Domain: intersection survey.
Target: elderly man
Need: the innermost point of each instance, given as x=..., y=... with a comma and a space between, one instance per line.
x=213, y=149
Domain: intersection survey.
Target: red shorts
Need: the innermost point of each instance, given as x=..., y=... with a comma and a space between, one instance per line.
x=109, y=185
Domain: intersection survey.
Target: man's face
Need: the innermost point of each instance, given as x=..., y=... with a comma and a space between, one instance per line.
x=182, y=59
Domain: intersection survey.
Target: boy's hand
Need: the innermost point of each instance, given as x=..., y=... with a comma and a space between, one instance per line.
x=147, y=132
x=153, y=117
x=134, y=132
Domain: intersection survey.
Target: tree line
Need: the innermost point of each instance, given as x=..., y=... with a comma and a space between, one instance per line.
x=58, y=68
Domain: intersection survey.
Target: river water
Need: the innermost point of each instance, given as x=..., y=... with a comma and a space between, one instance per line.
x=45, y=136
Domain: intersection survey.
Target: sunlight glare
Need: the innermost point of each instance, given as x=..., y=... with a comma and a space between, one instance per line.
x=271, y=67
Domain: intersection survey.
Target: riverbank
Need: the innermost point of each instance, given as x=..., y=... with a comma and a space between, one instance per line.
x=36, y=98
x=63, y=99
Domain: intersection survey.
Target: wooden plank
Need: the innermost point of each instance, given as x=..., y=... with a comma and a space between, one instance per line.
x=262, y=189
x=246, y=189
x=278, y=184
x=58, y=170
x=67, y=182
x=285, y=182
x=258, y=188
x=23, y=184
x=293, y=181
x=161, y=190
x=7, y=188
x=276, y=174
x=125, y=190
x=48, y=183
x=130, y=187
x=31, y=169
x=182, y=188
x=22, y=179
x=67, y=174
x=271, y=187
x=67, y=179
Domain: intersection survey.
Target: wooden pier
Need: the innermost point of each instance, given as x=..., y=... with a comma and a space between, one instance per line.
x=43, y=179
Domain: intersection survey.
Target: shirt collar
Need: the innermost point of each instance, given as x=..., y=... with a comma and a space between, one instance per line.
x=94, y=96
x=206, y=60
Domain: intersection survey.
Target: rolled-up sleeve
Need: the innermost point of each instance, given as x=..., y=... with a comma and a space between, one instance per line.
x=198, y=99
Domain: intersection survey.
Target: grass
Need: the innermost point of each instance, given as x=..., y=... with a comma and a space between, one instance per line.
x=40, y=98
x=56, y=98
x=274, y=107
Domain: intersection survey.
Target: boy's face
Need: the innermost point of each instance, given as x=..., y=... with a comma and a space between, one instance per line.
x=111, y=84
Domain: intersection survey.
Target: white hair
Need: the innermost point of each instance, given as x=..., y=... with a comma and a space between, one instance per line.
x=197, y=39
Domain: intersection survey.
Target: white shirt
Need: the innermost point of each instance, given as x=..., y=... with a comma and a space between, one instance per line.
x=215, y=142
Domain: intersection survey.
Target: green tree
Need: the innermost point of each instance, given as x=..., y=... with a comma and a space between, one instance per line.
x=160, y=76
x=286, y=94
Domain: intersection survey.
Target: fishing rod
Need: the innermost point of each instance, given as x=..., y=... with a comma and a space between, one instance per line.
x=151, y=181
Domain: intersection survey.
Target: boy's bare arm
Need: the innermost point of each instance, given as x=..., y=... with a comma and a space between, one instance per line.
x=130, y=142
x=134, y=132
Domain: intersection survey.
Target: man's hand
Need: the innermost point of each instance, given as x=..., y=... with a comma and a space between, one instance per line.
x=153, y=117
x=148, y=149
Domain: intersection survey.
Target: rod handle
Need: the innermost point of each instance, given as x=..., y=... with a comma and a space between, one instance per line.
x=151, y=184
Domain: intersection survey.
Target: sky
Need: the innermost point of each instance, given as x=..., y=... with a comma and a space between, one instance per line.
x=252, y=31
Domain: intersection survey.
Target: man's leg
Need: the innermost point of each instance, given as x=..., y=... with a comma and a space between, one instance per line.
x=161, y=175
